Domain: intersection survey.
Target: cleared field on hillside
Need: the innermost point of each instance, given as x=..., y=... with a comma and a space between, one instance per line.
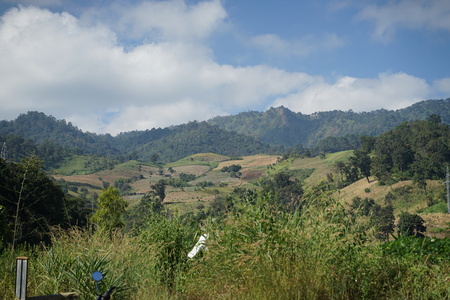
x=207, y=168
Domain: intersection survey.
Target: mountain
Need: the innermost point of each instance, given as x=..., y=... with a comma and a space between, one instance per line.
x=281, y=126
x=200, y=137
x=36, y=128
x=246, y=133
x=40, y=128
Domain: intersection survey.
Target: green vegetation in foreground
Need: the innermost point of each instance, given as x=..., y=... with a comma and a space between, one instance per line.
x=255, y=252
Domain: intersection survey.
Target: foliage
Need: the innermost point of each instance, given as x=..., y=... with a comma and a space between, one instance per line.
x=411, y=225
x=431, y=250
x=381, y=218
x=173, y=240
x=286, y=193
x=111, y=208
x=318, y=253
x=414, y=150
x=18, y=148
x=201, y=137
x=187, y=177
x=137, y=216
x=247, y=133
x=159, y=189
x=177, y=182
x=33, y=203
x=280, y=126
x=232, y=168
x=253, y=252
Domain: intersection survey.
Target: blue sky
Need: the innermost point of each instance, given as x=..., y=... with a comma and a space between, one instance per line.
x=116, y=66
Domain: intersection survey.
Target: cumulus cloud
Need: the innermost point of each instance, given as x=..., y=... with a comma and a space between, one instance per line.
x=410, y=14
x=77, y=68
x=389, y=91
x=51, y=62
x=161, y=20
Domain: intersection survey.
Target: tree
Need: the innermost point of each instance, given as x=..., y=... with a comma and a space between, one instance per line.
x=160, y=189
x=149, y=206
x=111, y=207
x=362, y=161
x=411, y=224
x=364, y=207
x=287, y=193
x=383, y=221
x=32, y=203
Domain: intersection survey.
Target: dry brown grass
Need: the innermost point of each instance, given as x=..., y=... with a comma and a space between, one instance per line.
x=196, y=170
x=438, y=225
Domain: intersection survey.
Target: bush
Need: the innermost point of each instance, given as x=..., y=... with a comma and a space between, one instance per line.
x=411, y=224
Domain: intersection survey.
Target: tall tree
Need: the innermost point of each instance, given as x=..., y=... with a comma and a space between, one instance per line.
x=111, y=208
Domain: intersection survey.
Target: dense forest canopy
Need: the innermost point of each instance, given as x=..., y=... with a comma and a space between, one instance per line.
x=280, y=126
x=419, y=150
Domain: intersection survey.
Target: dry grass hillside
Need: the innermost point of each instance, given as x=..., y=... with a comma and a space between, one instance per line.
x=207, y=168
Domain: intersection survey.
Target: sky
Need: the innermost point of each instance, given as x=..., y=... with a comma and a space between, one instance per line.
x=116, y=66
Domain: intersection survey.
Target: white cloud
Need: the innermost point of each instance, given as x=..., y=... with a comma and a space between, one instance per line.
x=36, y=2
x=76, y=69
x=161, y=20
x=442, y=86
x=411, y=14
x=50, y=62
x=389, y=91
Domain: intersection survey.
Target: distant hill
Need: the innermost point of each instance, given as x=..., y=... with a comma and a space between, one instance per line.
x=166, y=144
x=40, y=128
x=281, y=126
x=199, y=137
x=246, y=133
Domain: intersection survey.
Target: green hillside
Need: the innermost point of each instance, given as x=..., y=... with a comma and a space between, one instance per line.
x=247, y=133
x=280, y=126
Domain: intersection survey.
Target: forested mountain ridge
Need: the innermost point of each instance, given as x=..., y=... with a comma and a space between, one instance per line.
x=246, y=133
x=41, y=128
x=281, y=126
x=26, y=135
x=199, y=137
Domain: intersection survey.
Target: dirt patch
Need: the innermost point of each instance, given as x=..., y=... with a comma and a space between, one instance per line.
x=252, y=174
x=438, y=225
x=92, y=179
x=196, y=170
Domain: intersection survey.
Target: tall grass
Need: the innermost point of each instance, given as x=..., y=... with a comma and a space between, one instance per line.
x=255, y=252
